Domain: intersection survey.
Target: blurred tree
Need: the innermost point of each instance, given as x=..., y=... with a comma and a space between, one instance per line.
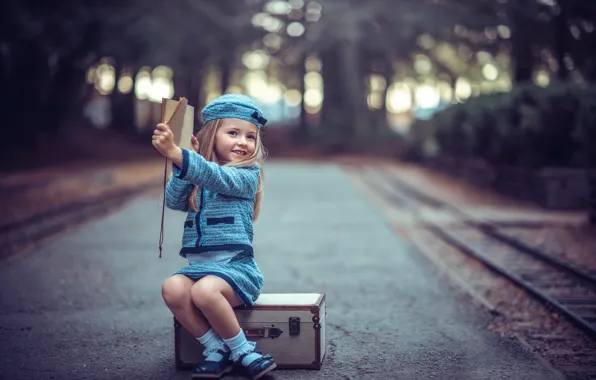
x=184, y=35
x=355, y=39
x=45, y=48
x=44, y=52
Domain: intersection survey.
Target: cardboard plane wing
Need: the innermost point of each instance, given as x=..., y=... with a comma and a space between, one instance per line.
x=180, y=117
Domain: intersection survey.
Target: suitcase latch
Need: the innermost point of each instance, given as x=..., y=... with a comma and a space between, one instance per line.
x=264, y=332
x=294, y=323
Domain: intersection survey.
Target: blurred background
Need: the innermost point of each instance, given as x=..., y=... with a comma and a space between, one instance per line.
x=466, y=121
x=471, y=87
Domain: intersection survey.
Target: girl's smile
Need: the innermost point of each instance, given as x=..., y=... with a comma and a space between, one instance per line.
x=235, y=140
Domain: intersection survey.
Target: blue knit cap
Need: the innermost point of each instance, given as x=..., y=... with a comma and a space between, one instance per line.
x=234, y=106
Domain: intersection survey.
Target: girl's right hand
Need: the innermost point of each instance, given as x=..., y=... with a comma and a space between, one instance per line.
x=195, y=143
x=163, y=140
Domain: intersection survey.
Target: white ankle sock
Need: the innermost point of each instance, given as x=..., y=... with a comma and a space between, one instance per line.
x=212, y=343
x=239, y=345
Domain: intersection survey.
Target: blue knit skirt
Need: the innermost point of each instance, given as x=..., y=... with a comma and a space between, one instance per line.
x=241, y=272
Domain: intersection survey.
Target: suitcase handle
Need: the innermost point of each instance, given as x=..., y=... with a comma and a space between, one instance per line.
x=263, y=332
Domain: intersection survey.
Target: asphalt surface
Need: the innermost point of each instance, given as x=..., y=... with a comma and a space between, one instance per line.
x=87, y=305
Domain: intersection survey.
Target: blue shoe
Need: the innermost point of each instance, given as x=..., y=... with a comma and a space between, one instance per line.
x=213, y=370
x=258, y=368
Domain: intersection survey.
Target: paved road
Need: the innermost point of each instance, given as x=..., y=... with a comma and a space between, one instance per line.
x=88, y=306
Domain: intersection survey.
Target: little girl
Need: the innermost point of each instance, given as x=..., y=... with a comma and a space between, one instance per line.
x=220, y=187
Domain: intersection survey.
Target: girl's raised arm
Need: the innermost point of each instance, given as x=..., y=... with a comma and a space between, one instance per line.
x=239, y=182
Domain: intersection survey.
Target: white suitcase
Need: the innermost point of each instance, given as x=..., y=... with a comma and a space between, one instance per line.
x=288, y=326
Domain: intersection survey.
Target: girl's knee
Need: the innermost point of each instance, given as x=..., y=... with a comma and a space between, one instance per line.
x=175, y=290
x=204, y=294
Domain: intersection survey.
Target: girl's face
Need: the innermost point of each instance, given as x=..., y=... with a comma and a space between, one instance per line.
x=235, y=140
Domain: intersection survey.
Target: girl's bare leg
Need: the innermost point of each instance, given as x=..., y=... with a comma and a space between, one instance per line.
x=175, y=291
x=215, y=298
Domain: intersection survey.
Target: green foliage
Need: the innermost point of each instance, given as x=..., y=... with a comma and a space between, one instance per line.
x=530, y=126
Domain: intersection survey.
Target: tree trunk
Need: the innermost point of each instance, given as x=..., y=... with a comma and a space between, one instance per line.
x=61, y=101
x=123, y=111
x=561, y=31
x=225, y=68
x=333, y=116
x=353, y=82
x=123, y=105
x=187, y=83
x=23, y=95
x=523, y=61
x=69, y=80
x=193, y=96
x=302, y=131
x=379, y=116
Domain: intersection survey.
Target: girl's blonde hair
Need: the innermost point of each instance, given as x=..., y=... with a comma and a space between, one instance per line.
x=206, y=138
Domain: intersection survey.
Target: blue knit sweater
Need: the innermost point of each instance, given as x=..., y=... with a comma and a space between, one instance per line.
x=226, y=204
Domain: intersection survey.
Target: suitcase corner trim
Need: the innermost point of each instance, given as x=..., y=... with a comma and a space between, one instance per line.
x=316, y=308
x=180, y=365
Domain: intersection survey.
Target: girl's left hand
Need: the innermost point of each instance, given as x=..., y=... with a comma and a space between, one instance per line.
x=195, y=143
x=163, y=140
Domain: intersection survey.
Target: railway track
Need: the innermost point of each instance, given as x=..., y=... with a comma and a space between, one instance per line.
x=24, y=234
x=561, y=285
x=60, y=204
